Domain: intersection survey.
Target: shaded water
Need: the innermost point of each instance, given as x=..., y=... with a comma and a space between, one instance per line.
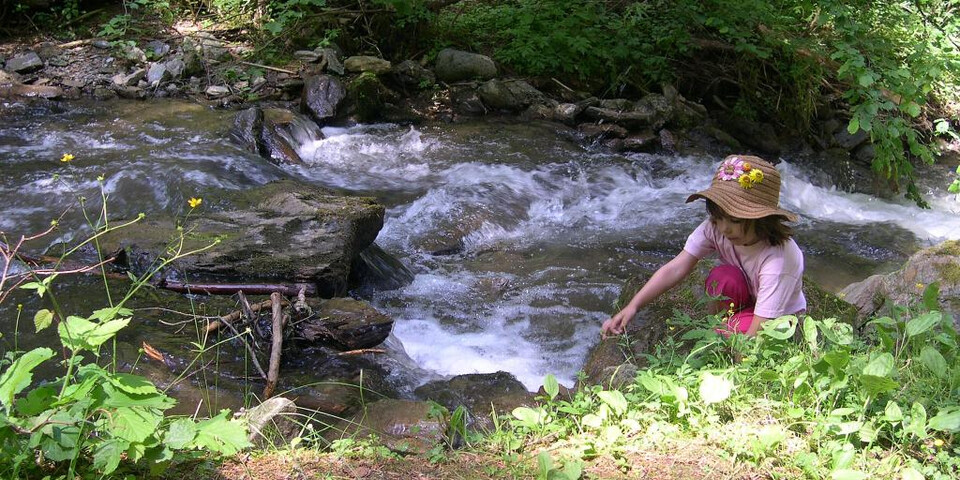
x=519, y=239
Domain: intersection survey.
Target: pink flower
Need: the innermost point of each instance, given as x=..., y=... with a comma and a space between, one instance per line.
x=730, y=169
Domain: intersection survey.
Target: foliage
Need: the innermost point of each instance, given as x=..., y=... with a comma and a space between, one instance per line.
x=93, y=420
x=834, y=405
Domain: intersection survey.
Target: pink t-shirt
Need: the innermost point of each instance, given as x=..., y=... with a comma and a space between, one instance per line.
x=774, y=274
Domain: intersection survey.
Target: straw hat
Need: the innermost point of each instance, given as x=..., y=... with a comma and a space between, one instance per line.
x=746, y=187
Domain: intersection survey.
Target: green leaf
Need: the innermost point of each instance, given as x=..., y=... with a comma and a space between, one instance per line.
x=110, y=313
x=42, y=319
x=917, y=424
x=921, y=324
x=134, y=424
x=133, y=383
x=615, y=399
x=865, y=79
x=810, y=333
x=931, y=296
x=714, y=388
x=116, y=397
x=180, y=434
x=107, y=455
x=36, y=401
x=892, y=413
x=780, y=328
x=932, y=359
x=222, y=435
x=911, y=474
x=854, y=125
x=838, y=359
x=946, y=420
x=551, y=386
x=81, y=334
x=19, y=375
x=881, y=366
x=528, y=416
x=911, y=109
x=875, y=385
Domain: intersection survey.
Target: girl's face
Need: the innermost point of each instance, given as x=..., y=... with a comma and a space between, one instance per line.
x=737, y=230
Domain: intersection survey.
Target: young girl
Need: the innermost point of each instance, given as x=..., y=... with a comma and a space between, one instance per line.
x=761, y=268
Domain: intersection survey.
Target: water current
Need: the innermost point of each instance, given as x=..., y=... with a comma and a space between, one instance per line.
x=519, y=238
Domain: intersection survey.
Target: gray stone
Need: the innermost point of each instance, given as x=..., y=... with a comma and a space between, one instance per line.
x=157, y=73
x=25, y=63
x=322, y=96
x=479, y=394
x=131, y=93
x=134, y=54
x=175, y=66
x=7, y=78
x=329, y=58
x=404, y=426
x=30, y=91
x=101, y=44
x=847, y=141
x=595, y=131
x=217, y=91
x=284, y=231
x=456, y=65
x=306, y=56
x=363, y=64
x=411, y=74
x=510, y=95
x=211, y=47
x=129, y=80
x=157, y=49
x=757, y=135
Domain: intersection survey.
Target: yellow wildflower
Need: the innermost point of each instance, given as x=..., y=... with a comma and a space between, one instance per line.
x=195, y=202
x=66, y=157
x=919, y=286
x=938, y=443
x=756, y=176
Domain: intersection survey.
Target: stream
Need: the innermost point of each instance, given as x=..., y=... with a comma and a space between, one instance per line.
x=518, y=237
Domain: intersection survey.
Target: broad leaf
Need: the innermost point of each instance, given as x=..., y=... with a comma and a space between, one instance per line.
x=921, y=324
x=810, y=333
x=615, y=399
x=42, y=319
x=222, y=435
x=19, y=375
x=875, y=385
x=932, y=359
x=134, y=424
x=881, y=366
x=892, y=413
x=946, y=420
x=551, y=386
x=931, y=296
x=780, y=328
x=180, y=434
x=847, y=474
x=133, y=383
x=107, y=455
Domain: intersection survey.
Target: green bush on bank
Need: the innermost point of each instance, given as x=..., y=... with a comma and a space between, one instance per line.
x=806, y=397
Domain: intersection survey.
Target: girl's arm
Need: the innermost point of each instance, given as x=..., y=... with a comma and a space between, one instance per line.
x=755, y=325
x=662, y=280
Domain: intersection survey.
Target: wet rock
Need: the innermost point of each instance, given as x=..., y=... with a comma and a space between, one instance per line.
x=322, y=96
x=364, y=64
x=306, y=56
x=509, y=95
x=158, y=73
x=130, y=93
x=412, y=75
x=247, y=126
x=157, y=49
x=594, y=131
x=133, y=54
x=633, y=119
x=30, y=91
x=103, y=93
x=369, y=97
x=283, y=232
x=404, y=426
x=465, y=101
x=273, y=423
x=878, y=294
x=568, y=112
x=480, y=394
x=456, y=65
x=346, y=324
x=102, y=44
x=377, y=269
x=277, y=138
x=25, y=63
x=129, y=80
x=847, y=141
x=175, y=66
x=644, y=141
x=329, y=59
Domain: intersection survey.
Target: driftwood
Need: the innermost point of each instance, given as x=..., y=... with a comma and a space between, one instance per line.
x=288, y=289
x=277, y=345
x=236, y=315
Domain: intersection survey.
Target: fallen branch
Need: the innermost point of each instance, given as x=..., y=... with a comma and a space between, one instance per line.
x=234, y=316
x=253, y=354
x=361, y=351
x=275, y=350
x=268, y=67
x=289, y=289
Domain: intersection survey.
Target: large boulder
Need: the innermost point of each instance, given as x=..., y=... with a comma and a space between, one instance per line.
x=404, y=426
x=274, y=133
x=456, y=65
x=322, y=96
x=481, y=394
x=284, y=231
x=510, y=95
x=879, y=293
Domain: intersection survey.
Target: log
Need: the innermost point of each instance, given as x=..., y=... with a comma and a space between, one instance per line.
x=234, y=316
x=346, y=324
x=289, y=289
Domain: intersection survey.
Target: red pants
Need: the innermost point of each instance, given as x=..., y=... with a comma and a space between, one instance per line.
x=729, y=283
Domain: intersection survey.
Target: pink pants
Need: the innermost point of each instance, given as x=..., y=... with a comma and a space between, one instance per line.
x=729, y=283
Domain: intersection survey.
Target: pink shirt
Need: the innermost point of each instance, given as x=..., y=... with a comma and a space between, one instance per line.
x=774, y=274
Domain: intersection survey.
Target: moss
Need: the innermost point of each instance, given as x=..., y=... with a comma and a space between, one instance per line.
x=950, y=247
x=949, y=273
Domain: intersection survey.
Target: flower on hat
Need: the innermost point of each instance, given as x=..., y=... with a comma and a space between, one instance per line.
x=730, y=169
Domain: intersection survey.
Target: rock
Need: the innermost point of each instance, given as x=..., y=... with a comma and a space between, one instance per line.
x=157, y=49
x=103, y=93
x=283, y=231
x=464, y=100
x=322, y=96
x=847, y=141
x=101, y=44
x=865, y=154
x=379, y=270
x=568, y=112
x=369, y=97
x=175, y=66
x=618, y=104
x=411, y=74
x=211, y=47
x=456, y=65
x=329, y=58
x=158, y=73
x=74, y=83
x=25, y=63
x=306, y=56
x=346, y=324
x=130, y=93
x=282, y=132
x=480, y=394
x=757, y=135
x=7, y=79
x=122, y=80
x=644, y=141
x=878, y=294
x=364, y=64
x=133, y=54
x=594, y=131
x=217, y=91
x=30, y=91
x=510, y=95
x=247, y=127
x=273, y=423
x=404, y=426
x=633, y=119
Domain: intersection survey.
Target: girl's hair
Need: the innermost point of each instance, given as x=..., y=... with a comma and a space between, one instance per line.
x=770, y=228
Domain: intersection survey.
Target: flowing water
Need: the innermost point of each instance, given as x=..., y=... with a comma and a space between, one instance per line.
x=519, y=239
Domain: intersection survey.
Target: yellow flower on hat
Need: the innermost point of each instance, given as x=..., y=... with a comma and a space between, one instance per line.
x=745, y=181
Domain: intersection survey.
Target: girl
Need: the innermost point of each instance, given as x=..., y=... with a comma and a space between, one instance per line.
x=760, y=272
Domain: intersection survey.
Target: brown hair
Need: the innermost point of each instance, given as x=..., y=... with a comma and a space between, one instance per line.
x=770, y=228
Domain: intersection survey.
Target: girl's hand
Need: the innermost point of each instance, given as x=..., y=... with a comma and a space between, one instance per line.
x=617, y=324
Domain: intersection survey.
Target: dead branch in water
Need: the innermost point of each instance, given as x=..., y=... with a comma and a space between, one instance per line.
x=288, y=289
x=274, y=370
x=236, y=315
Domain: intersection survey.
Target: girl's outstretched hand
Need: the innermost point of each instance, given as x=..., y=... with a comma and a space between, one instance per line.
x=617, y=324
